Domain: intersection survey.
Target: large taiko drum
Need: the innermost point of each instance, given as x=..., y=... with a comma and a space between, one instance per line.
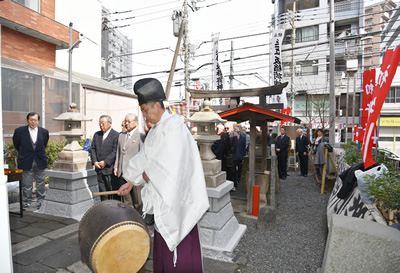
x=113, y=238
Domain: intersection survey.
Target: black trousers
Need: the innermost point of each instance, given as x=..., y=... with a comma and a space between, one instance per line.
x=239, y=169
x=282, y=166
x=303, y=160
x=108, y=183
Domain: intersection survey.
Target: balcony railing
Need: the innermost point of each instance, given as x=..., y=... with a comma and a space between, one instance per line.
x=343, y=6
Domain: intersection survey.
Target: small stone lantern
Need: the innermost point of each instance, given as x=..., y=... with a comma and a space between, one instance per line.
x=205, y=121
x=72, y=158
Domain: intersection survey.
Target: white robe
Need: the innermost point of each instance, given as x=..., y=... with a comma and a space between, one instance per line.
x=176, y=192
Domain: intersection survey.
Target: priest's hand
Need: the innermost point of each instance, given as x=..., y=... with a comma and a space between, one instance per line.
x=125, y=189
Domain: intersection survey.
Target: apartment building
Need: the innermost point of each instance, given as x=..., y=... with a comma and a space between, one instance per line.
x=376, y=16
x=310, y=57
x=116, y=50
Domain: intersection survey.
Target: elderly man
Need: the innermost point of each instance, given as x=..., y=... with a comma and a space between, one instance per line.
x=31, y=141
x=169, y=167
x=302, y=144
x=102, y=154
x=231, y=156
x=282, y=151
x=129, y=144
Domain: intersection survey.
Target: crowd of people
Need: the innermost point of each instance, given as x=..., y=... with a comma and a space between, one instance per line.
x=303, y=148
x=230, y=148
x=170, y=193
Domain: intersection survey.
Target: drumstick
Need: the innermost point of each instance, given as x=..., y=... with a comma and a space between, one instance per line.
x=105, y=193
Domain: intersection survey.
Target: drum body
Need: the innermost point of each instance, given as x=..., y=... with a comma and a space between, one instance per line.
x=113, y=238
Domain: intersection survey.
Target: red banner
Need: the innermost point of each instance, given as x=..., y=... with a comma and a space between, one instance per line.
x=356, y=134
x=388, y=69
x=285, y=111
x=368, y=91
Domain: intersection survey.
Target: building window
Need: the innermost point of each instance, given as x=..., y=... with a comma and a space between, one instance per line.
x=17, y=85
x=56, y=101
x=393, y=95
x=285, y=5
x=309, y=68
x=369, y=22
x=30, y=4
x=307, y=34
x=304, y=68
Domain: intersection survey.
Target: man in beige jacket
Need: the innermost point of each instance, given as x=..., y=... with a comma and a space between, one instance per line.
x=129, y=144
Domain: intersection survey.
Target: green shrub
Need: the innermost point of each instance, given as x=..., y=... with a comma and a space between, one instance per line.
x=352, y=154
x=52, y=150
x=82, y=142
x=12, y=155
x=385, y=190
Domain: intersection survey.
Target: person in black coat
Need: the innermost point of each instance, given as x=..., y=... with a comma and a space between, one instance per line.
x=282, y=150
x=103, y=153
x=230, y=155
x=302, y=144
x=31, y=141
x=218, y=146
x=242, y=151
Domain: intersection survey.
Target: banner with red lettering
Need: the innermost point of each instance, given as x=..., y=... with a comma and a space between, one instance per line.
x=388, y=69
x=368, y=91
x=285, y=111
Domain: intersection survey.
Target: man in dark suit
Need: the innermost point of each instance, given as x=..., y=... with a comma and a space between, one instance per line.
x=242, y=151
x=103, y=152
x=31, y=141
x=129, y=144
x=302, y=143
x=282, y=150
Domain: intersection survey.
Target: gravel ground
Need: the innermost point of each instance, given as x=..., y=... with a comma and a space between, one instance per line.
x=297, y=242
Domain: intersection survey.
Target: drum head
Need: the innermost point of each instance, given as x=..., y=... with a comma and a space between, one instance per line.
x=123, y=247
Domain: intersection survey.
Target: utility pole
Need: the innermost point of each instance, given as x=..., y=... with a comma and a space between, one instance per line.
x=332, y=106
x=70, y=49
x=70, y=66
x=354, y=105
x=293, y=61
x=186, y=50
x=347, y=96
x=231, y=68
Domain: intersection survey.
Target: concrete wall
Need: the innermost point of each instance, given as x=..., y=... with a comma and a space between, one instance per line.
x=107, y=104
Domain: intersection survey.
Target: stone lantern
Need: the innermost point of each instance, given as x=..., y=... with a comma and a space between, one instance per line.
x=72, y=181
x=205, y=121
x=72, y=158
x=220, y=231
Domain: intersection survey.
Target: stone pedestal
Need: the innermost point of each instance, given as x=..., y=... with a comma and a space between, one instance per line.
x=72, y=161
x=70, y=194
x=219, y=229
